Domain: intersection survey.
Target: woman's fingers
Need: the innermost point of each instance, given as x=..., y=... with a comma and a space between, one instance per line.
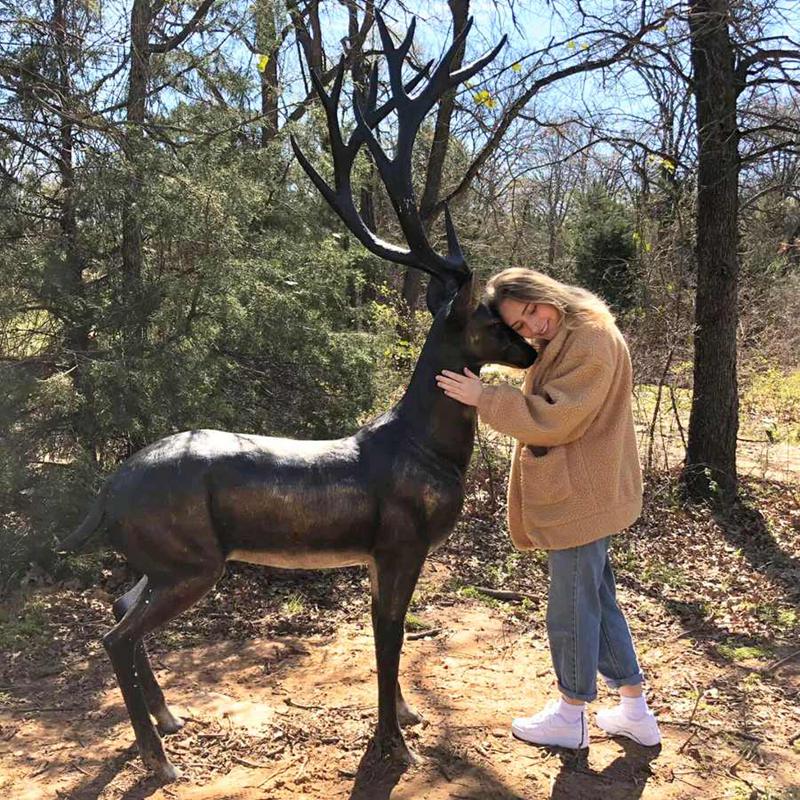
x=464, y=388
x=456, y=381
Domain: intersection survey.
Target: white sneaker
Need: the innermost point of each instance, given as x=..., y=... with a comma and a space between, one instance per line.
x=615, y=723
x=548, y=727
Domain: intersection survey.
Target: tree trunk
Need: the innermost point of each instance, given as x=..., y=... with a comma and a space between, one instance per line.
x=72, y=307
x=133, y=311
x=267, y=44
x=710, y=471
x=412, y=280
x=132, y=238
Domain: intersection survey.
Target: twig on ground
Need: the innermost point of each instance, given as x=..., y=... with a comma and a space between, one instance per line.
x=696, y=703
x=290, y=702
x=423, y=634
x=247, y=763
x=503, y=594
x=689, y=739
x=277, y=772
x=42, y=768
x=683, y=724
x=731, y=770
x=686, y=633
x=780, y=662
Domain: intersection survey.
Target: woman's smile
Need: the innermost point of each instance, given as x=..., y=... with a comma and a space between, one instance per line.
x=530, y=320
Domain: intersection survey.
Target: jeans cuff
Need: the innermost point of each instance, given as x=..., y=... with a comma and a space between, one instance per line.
x=615, y=683
x=586, y=698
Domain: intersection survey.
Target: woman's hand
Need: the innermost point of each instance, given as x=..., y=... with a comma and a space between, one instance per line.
x=465, y=388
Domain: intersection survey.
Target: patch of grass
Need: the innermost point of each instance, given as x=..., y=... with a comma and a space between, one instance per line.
x=502, y=572
x=664, y=575
x=751, y=682
x=472, y=593
x=771, y=399
x=415, y=623
x=783, y=619
x=293, y=605
x=646, y=394
x=27, y=626
x=421, y=598
x=743, y=652
x=528, y=605
x=87, y=568
x=624, y=558
x=180, y=635
x=789, y=793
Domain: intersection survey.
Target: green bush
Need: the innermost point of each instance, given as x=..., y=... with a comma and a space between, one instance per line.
x=604, y=249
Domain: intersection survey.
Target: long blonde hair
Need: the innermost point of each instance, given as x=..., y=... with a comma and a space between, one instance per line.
x=576, y=306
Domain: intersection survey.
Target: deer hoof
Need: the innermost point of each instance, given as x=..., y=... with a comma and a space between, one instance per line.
x=169, y=723
x=167, y=773
x=161, y=768
x=407, y=717
x=394, y=751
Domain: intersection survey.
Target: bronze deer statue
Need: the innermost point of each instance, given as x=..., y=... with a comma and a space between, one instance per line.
x=384, y=497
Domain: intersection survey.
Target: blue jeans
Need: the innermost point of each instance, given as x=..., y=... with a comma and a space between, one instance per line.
x=585, y=627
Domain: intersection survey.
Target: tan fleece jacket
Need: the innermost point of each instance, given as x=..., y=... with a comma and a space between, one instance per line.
x=575, y=474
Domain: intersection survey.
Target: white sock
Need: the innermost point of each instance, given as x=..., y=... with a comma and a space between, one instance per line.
x=633, y=707
x=570, y=712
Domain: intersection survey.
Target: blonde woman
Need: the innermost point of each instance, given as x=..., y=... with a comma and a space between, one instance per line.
x=575, y=480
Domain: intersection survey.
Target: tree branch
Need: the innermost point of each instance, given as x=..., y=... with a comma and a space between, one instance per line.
x=185, y=32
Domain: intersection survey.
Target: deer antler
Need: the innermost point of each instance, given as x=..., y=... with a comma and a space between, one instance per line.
x=395, y=172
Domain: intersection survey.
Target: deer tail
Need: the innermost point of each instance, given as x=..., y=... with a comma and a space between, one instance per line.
x=89, y=525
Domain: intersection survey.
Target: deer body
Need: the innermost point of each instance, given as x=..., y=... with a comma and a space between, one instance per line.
x=384, y=497
x=278, y=502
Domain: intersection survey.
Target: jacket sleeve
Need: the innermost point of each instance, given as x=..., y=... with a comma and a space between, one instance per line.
x=560, y=414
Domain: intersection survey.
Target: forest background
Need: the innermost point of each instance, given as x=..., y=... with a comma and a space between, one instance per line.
x=165, y=264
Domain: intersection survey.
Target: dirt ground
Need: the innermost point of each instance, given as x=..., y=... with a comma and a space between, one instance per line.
x=275, y=674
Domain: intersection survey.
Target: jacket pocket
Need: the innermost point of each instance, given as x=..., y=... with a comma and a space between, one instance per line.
x=546, y=487
x=545, y=478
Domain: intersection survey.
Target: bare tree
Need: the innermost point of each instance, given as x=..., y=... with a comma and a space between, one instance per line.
x=724, y=68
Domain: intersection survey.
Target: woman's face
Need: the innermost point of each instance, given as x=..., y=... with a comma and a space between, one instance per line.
x=530, y=320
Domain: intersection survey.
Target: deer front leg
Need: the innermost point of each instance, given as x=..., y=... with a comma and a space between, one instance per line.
x=406, y=715
x=394, y=578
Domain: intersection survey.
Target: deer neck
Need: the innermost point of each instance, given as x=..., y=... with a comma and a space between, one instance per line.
x=436, y=422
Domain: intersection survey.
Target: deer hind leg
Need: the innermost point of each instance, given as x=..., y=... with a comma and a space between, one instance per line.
x=406, y=715
x=154, y=697
x=393, y=580
x=157, y=601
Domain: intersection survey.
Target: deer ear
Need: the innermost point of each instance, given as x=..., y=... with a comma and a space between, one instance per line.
x=463, y=303
x=438, y=294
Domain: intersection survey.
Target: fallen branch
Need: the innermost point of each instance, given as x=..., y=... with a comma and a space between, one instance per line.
x=277, y=772
x=689, y=739
x=714, y=732
x=503, y=594
x=252, y=764
x=423, y=634
x=780, y=662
